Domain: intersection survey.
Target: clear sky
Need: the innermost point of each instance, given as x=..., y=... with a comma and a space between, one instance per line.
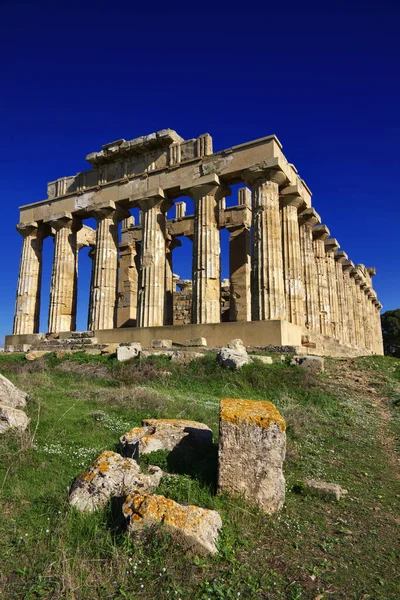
x=76, y=76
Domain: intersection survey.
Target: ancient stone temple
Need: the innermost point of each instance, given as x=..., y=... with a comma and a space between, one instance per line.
x=289, y=283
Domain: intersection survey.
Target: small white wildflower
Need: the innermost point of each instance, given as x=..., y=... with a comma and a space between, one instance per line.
x=142, y=586
x=164, y=569
x=47, y=531
x=26, y=535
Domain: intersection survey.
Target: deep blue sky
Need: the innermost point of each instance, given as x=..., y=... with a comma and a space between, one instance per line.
x=327, y=85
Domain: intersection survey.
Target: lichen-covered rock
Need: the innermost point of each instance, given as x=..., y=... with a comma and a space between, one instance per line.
x=194, y=527
x=183, y=357
x=323, y=488
x=233, y=359
x=252, y=449
x=313, y=363
x=128, y=351
x=110, y=476
x=10, y=395
x=267, y=360
x=164, y=434
x=12, y=418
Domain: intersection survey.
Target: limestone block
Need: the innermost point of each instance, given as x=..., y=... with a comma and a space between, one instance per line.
x=313, y=363
x=34, y=354
x=10, y=395
x=267, y=360
x=126, y=352
x=200, y=341
x=252, y=449
x=12, y=418
x=1, y=350
x=93, y=351
x=322, y=488
x=236, y=344
x=184, y=358
x=155, y=352
x=233, y=359
x=109, y=476
x=193, y=527
x=164, y=434
x=161, y=343
x=110, y=349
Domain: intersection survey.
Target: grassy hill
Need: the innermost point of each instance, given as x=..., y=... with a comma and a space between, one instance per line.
x=343, y=426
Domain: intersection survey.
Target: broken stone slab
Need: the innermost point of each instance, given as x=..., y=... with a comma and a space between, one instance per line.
x=10, y=395
x=35, y=354
x=267, y=360
x=313, y=363
x=236, y=344
x=193, y=527
x=161, y=344
x=128, y=351
x=252, y=447
x=184, y=357
x=199, y=341
x=164, y=434
x=155, y=352
x=12, y=418
x=93, y=351
x=323, y=488
x=233, y=359
x=110, y=476
x=110, y=349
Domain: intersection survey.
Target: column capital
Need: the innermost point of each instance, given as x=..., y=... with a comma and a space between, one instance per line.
x=341, y=256
x=320, y=232
x=155, y=197
x=64, y=220
x=108, y=209
x=291, y=196
x=26, y=229
x=371, y=271
x=263, y=172
x=348, y=266
x=208, y=185
x=331, y=245
x=309, y=217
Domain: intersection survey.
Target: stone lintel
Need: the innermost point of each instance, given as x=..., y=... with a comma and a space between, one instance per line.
x=309, y=216
x=341, y=256
x=205, y=185
x=320, y=232
x=271, y=170
x=331, y=245
x=291, y=195
x=236, y=217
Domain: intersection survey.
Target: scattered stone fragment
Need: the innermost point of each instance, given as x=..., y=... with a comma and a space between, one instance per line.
x=323, y=488
x=313, y=363
x=233, y=359
x=10, y=395
x=184, y=357
x=12, y=418
x=161, y=343
x=93, y=351
x=267, y=360
x=1, y=350
x=194, y=527
x=199, y=341
x=236, y=344
x=110, y=476
x=252, y=449
x=128, y=351
x=155, y=352
x=110, y=349
x=34, y=354
x=164, y=434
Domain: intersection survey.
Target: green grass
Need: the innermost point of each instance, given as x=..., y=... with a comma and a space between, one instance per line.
x=81, y=405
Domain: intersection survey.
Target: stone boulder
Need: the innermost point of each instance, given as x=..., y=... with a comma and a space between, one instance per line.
x=252, y=447
x=236, y=344
x=194, y=528
x=233, y=359
x=165, y=434
x=12, y=418
x=312, y=363
x=128, y=351
x=325, y=489
x=200, y=341
x=10, y=395
x=35, y=354
x=161, y=344
x=267, y=360
x=110, y=348
x=110, y=476
x=183, y=357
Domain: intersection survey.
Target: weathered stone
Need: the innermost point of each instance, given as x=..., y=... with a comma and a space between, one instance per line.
x=267, y=360
x=161, y=343
x=34, y=354
x=126, y=352
x=193, y=527
x=93, y=351
x=313, y=363
x=322, y=488
x=200, y=341
x=233, y=359
x=12, y=418
x=10, y=395
x=156, y=352
x=164, y=434
x=184, y=357
x=110, y=348
x=236, y=344
x=110, y=476
x=252, y=449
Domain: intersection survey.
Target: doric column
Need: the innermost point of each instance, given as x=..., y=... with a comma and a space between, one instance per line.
x=320, y=234
x=307, y=219
x=170, y=285
x=366, y=314
x=64, y=278
x=348, y=266
x=152, y=274
x=380, y=348
x=267, y=282
x=358, y=309
x=92, y=256
x=331, y=245
x=27, y=305
x=239, y=273
x=292, y=264
x=105, y=274
x=340, y=257
x=128, y=283
x=371, y=318
x=206, y=307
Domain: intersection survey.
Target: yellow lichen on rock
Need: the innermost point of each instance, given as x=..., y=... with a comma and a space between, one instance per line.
x=261, y=413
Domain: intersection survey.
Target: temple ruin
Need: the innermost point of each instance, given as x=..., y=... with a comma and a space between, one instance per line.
x=289, y=283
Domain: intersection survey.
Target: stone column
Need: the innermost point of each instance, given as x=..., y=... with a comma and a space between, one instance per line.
x=239, y=273
x=320, y=234
x=380, y=348
x=358, y=312
x=170, y=285
x=92, y=256
x=105, y=276
x=348, y=266
x=206, y=303
x=307, y=219
x=152, y=274
x=267, y=282
x=292, y=264
x=366, y=315
x=371, y=318
x=64, y=278
x=27, y=304
x=331, y=245
x=128, y=284
x=340, y=258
